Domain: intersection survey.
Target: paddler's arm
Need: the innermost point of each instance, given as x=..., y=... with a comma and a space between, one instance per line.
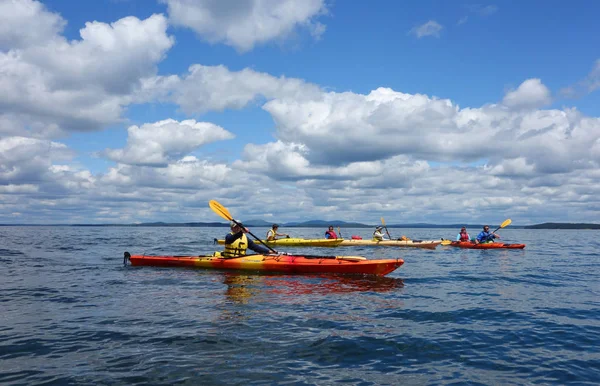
x=258, y=248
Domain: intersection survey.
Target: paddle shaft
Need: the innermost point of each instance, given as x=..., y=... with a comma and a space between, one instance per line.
x=386, y=230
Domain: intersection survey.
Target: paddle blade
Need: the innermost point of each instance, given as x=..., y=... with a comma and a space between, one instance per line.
x=446, y=242
x=220, y=210
x=351, y=258
x=382, y=221
x=506, y=223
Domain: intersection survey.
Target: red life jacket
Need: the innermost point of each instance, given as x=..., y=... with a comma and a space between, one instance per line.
x=464, y=236
x=331, y=234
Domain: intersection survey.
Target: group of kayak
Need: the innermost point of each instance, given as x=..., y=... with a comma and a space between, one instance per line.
x=268, y=259
x=485, y=240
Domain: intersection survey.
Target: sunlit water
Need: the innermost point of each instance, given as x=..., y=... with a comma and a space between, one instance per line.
x=71, y=313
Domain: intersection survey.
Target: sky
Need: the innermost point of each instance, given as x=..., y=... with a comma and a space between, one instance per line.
x=132, y=111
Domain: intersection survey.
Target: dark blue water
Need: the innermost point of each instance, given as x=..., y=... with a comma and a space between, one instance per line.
x=70, y=313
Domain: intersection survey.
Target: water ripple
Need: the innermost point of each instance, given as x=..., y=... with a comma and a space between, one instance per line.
x=71, y=314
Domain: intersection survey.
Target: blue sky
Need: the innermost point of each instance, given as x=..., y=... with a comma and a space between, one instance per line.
x=122, y=111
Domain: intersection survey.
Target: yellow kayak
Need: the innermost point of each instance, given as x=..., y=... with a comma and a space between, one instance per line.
x=430, y=244
x=297, y=242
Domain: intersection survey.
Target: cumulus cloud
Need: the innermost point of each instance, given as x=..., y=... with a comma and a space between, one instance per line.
x=531, y=94
x=155, y=144
x=52, y=84
x=244, y=24
x=337, y=129
x=206, y=88
x=431, y=28
x=25, y=160
x=25, y=23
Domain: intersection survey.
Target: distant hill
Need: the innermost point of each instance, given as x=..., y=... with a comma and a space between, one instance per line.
x=558, y=225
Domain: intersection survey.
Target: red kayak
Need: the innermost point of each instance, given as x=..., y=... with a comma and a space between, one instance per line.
x=291, y=264
x=472, y=245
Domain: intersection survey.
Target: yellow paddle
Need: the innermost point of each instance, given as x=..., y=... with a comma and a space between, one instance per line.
x=340, y=233
x=386, y=230
x=223, y=212
x=504, y=224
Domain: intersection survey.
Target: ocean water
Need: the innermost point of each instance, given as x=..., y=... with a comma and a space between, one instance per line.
x=72, y=314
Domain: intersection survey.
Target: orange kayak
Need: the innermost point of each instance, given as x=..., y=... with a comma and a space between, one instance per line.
x=291, y=264
x=472, y=245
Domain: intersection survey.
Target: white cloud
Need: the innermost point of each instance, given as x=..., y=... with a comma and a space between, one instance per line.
x=206, y=88
x=531, y=94
x=50, y=84
x=431, y=28
x=385, y=123
x=24, y=23
x=246, y=23
x=156, y=144
x=27, y=161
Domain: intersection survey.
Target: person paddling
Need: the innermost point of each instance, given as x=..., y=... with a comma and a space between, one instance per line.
x=330, y=233
x=378, y=235
x=485, y=236
x=272, y=234
x=463, y=235
x=236, y=243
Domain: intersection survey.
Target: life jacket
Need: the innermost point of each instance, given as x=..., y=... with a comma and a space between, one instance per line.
x=271, y=232
x=237, y=248
x=485, y=237
x=331, y=234
x=464, y=236
x=377, y=236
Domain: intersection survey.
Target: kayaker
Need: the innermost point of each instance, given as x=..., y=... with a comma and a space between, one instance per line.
x=330, y=234
x=272, y=233
x=236, y=243
x=485, y=236
x=463, y=235
x=378, y=235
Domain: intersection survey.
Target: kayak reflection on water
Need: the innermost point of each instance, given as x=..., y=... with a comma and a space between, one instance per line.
x=241, y=287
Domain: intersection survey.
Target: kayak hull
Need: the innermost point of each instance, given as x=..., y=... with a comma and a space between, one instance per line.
x=289, y=264
x=298, y=242
x=429, y=244
x=472, y=245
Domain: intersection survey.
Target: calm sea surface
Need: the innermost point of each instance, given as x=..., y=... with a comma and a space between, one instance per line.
x=71, y=313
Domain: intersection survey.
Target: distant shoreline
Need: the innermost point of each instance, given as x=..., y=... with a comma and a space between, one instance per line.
x=319, y=223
